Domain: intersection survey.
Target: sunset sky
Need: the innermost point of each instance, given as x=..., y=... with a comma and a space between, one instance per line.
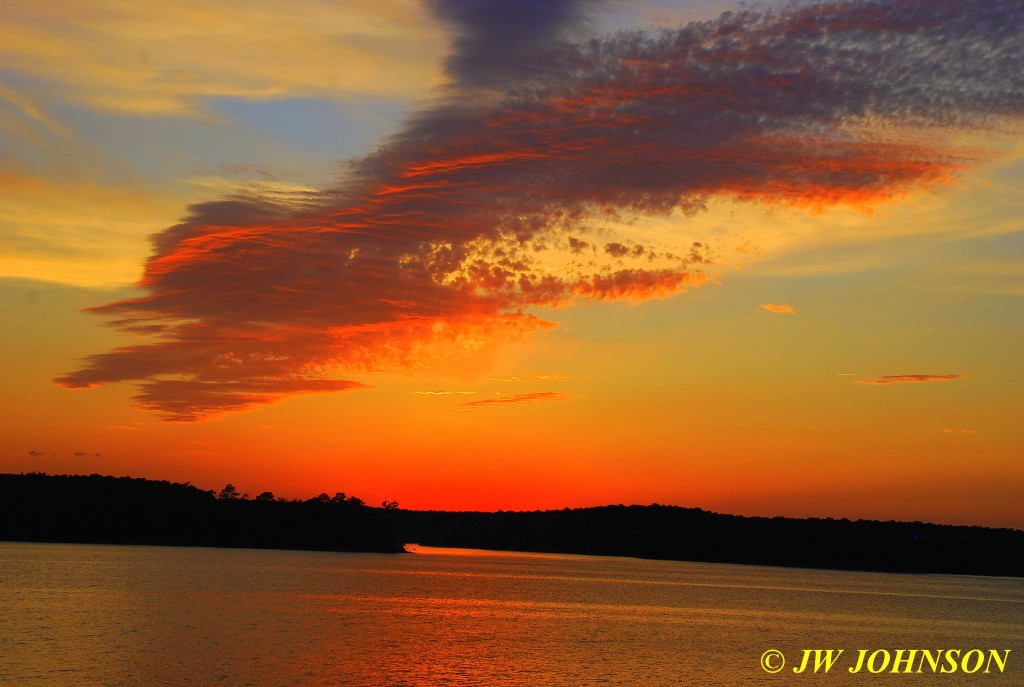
x=487, y=254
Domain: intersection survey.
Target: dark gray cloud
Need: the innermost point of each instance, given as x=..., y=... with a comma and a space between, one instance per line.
x=499, y=40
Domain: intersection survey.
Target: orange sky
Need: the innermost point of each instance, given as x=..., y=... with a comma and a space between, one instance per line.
x=726, y=265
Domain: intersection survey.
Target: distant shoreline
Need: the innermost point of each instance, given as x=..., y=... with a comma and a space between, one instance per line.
x=124, y=510
x=95, y=509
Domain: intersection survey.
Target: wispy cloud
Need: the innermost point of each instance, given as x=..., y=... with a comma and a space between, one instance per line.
x=783, y=309
x=80, y=233
x=909, y=379
x=165, y=58
x=490, y=205
x=21, y=116
x=516, y=400
x=444, y=393
x=539, y=377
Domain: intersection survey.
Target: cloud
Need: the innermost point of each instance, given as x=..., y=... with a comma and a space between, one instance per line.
x=21, y=116
x=909, y=379
x=516, y=400
x=77, y=233
x=462, y=230
x=616, y=249
x=947, y=430
x=189, y=400
x=497, y=41
x=35, y=453
x=783, y=309
x=577, y=245
x=550, y=377
x=539, y=377
x=444, y=393
x=165, y=58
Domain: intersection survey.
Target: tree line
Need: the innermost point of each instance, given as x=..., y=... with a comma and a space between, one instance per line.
x=693, y=534
x=123, y=510
x=126, y=510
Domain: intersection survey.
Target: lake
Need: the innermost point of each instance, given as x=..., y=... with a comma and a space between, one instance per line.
x=81, y=615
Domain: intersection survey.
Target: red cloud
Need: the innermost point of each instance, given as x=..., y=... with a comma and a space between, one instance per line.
x=909, y=379
x=783, y=309
x=437, y=245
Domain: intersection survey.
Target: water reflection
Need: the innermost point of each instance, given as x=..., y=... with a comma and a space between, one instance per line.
x=84, y=615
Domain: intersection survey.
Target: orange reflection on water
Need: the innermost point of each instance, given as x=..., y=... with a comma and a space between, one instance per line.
x=454, y=551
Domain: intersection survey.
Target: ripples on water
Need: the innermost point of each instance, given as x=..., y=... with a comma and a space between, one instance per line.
x=117, y=616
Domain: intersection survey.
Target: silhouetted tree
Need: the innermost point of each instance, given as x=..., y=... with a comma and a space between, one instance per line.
x=228, y=492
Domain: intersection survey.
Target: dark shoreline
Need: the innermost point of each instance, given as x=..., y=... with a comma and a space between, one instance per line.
x=95, y=509
x=124, y=510
x=692, y=534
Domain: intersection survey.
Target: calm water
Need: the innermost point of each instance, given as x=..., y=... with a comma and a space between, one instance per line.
x=111, y=616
